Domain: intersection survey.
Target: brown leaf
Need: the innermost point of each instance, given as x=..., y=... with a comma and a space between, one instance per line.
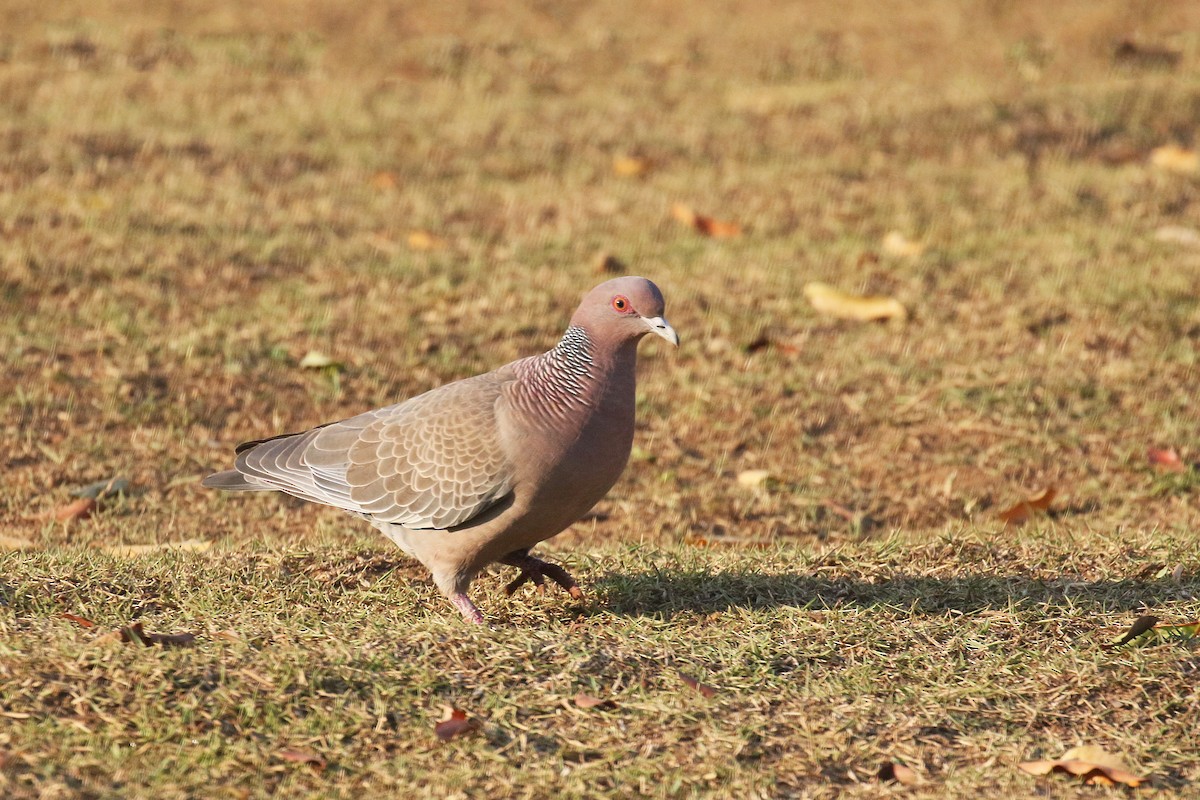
x=843, y=305
x=705, y=225
x=82, y=621
x=584, y=700
x=1022, y=511
x=630, y=166
x=608, y=264
x=455, y=724
x=763, y=341
x=1092, y=764
x=702, y=688
x=424, y=240
x=1165, y=460
x=384, y=180
x=891, y=772
x=730, y=541
x=298, y=756
x=78, y=509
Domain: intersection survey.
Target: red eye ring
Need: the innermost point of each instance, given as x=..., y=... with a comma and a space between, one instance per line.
x=621, y=304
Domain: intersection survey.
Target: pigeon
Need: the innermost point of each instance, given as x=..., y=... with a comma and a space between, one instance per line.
x=481, y=470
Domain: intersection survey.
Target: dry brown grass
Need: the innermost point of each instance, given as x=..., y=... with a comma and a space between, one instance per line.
x=193, y=196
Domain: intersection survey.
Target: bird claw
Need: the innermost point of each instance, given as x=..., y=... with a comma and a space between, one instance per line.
x=535, y=571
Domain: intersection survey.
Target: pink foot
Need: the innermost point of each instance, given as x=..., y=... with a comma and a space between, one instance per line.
x=465, y=607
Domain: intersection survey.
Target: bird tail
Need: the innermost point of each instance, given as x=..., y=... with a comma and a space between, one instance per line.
x=231, y=480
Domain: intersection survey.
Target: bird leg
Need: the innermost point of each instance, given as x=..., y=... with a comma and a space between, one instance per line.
x=534, y=570
x=466, y=608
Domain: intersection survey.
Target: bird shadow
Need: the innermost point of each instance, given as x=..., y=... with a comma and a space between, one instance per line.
x=668, y=592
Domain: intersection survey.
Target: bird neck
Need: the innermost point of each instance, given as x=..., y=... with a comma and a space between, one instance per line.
x=579, y=373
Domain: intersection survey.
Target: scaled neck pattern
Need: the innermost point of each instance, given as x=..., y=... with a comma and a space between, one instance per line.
x=562, y=379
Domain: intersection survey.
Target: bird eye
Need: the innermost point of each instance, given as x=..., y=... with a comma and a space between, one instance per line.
x=620, y=304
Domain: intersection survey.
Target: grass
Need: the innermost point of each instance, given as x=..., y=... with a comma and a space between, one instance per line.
x=193, y=198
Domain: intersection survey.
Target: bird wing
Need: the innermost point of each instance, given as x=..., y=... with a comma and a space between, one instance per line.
x=435, y=461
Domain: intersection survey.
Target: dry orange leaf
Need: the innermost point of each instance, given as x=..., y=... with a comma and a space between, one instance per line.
x=78, y=509
x=81, y=621
x=705, y=225
x=891, y=772
x=630, y=166
x=1092, y=764
x=424, y=240
x=897, y=244
x=843, y=305
x=456, y=723
x=1022, y=511
x=702, y=688
x=1173, y=158
x=584, y=700
x=384, y=180
x=298, y=756
x=1165, y=460
x=729, y=541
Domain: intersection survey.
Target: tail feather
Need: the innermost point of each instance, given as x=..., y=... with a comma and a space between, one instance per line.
x=233, y=481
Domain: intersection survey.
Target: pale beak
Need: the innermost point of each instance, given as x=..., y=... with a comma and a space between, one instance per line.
x=663, y=328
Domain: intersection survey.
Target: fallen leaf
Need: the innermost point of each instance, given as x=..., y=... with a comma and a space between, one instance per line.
x=297, y=756
x=1093, y=765
x=1146, y=631
x=1166, y=460
x=315, y=359
x=102, y=489
x=456, y=723
x=79, y=509
x=583, y=700
x=843, y=305
x=384, y=180
x=133, y=550
x=1173, y=158
x=607, y=263
x=81, y=621
x=754, y=478
x=1133, y=54
x=705, y=225
x=1177, y=234
x=1022, y=511
x=424, y=240
x=702, y=688
x=729, y=541
x=228, y=636
x=630, y=166
x=892, y=772
x=763, y=342
x=897, y=244
x=14, y=543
